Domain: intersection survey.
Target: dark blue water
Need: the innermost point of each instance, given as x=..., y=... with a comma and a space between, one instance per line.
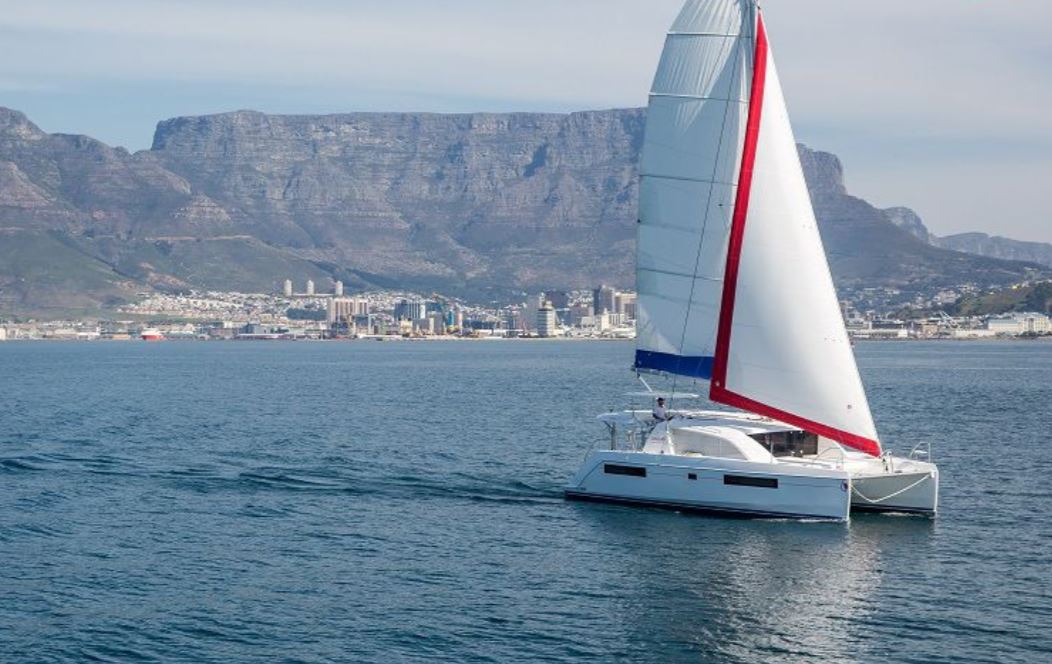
x=401, y=502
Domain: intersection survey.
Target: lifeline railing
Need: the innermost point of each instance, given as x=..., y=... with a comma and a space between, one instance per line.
x=921, y=449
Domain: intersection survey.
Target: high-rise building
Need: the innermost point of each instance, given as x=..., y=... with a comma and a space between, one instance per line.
x=338, y=289
x=625, y=304
x=288, y=288
x=603, y=300
x=412, y=310
x=310, y=287
x=533, y=304
x=546, y=321
x=343, y=309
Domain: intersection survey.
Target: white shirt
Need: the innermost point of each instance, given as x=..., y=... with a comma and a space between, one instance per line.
x=660, y=413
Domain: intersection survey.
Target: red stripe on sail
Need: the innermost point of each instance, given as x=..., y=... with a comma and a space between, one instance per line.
x=718, y=391
x=741, y=209
x=860, y=443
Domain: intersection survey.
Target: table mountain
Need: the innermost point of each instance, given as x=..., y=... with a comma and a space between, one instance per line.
x=481, y=205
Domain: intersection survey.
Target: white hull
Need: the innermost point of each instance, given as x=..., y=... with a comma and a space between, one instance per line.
x=725, y=462
x=900, y=492
x=712, y=484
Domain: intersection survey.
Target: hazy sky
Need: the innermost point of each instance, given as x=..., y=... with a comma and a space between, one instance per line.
x=942, y=105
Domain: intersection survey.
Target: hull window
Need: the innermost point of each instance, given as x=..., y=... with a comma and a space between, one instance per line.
x=762, y=482
x=633, y=471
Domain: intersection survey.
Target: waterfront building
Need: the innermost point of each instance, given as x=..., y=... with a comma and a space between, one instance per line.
x=337, y=289
x=3, y=334
x=546, y=326
x=603, y=299
x=513, y=319
x=534, y=304
x=310, y=287
x=1021, y=323
x=288, y=288
x=343, y=309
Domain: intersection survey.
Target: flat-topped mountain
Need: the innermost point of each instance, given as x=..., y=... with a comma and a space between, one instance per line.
x=476, y=205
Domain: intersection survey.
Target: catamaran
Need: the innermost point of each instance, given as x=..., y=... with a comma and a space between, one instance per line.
x=735, y=292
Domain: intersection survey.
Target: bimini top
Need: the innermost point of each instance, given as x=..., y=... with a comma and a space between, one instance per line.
x=733, y=282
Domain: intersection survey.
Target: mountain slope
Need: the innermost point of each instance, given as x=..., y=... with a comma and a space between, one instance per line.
x=995, y=246
x=481, y=204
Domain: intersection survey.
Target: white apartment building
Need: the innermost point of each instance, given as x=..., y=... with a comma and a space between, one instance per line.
x=1021, y=323
x=546, y=321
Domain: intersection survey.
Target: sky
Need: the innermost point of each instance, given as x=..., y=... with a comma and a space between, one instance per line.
x=939, y=105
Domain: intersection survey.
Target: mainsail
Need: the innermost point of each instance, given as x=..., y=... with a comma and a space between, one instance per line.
x=734, y=286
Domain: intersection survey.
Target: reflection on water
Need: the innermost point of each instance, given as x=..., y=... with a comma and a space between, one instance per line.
x=738, y=589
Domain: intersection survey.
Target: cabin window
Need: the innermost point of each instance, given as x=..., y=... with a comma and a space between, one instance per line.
x=788, y=443
x=633, y=471
x=692, y=476
x=745, y=480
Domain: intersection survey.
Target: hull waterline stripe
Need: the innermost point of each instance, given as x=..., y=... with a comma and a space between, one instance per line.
x=718, y=391
x=695, y=367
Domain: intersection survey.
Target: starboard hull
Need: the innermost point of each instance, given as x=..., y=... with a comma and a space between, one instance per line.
x=712, y=485
x=915, y=493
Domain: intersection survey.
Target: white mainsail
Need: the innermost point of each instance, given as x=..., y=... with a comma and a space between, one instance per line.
x=734, y=286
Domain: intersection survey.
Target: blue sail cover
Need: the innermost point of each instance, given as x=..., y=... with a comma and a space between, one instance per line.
x=695, y=367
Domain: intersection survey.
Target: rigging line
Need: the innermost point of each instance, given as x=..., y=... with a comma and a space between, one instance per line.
x=705, y=221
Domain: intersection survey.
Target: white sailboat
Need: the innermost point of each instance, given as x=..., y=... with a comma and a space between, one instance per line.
x=735, y=290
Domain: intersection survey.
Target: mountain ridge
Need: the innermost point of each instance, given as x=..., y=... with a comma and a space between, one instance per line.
x=481, y=205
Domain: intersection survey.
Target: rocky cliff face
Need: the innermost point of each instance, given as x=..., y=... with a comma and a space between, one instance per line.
x=995, y=246
x=454, y=201
x=478, y=204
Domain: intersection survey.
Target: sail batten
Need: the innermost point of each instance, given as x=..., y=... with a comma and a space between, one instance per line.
x=734, y=286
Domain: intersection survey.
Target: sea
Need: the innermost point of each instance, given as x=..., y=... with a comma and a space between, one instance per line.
x=402, y=502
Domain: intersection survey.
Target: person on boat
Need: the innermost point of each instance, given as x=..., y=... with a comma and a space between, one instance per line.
x=659, y=412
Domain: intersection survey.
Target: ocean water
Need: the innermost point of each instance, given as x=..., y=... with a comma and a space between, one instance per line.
x=215, y=502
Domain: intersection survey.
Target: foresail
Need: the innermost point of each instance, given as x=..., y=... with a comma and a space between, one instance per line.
x=782, y=349
x=690, y=165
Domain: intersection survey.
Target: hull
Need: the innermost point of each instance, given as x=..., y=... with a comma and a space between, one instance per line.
x=912, y=492
x=713, y=485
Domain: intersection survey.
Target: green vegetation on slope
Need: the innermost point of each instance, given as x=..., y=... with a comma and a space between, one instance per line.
x=1036, y=297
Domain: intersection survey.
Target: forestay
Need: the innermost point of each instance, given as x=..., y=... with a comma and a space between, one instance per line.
x=734, y=286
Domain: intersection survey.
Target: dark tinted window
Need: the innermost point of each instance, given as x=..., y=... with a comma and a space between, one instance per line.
x=743, y=480
x=788, y=443
x=634, y=471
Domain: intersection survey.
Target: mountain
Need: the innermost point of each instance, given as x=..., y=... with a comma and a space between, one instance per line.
x=480, y=205
x=979, y=244
x=982, y=244
x=870, y=247
x=909, y=221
